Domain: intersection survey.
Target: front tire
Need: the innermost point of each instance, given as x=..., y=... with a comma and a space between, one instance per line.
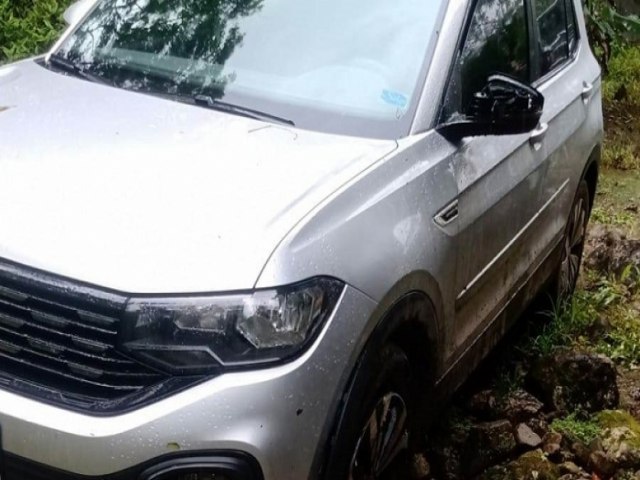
x=374, y=427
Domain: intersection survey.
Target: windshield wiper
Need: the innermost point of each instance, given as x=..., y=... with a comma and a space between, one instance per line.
x=62, y=63
x=210, y=102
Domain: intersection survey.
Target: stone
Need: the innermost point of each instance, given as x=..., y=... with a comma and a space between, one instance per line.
x=488, y=443
x=420, y=467
x=631, y=474
x=532, y=465
x=582, y=453
x=553, y=438
x=570, y=381
x=520, y=406
x=570, y=467
x=601, y=464
x=538, y=425
x=552, y=445
x=527, y=437
x=619, y=440
x=610, y=251
x=552, y=450
x=483, y=405
x=448, y=441
x=463, y=449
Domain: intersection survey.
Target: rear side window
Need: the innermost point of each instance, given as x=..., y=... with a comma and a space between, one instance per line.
x=497, y=42
x=553, y=28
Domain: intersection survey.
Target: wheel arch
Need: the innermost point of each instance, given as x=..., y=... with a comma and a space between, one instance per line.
x=591, y=172
x=408, y=316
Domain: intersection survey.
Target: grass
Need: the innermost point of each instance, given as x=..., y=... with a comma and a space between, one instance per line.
x=577, y=428
x=569, y=326
x=618, y=201
x=600, y=318
x=619, y=155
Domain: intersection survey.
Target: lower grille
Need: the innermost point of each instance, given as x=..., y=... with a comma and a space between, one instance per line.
x=16, y=468
x=58, y=340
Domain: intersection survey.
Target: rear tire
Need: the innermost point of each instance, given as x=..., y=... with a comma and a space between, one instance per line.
x=374, y=426
x=566, y=276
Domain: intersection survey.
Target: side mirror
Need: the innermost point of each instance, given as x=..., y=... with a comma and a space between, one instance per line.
x=77, y=10
x=505, y=106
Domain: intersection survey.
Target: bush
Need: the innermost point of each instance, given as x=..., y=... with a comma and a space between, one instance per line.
x=29, y=27
x=609, y=30
x=624, y=73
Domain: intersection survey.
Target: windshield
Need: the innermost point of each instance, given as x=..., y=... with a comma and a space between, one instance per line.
x=343, y=66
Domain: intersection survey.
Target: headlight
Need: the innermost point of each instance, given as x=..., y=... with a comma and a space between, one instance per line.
x=190, y=335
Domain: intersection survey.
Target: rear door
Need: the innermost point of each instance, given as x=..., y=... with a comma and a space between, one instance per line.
x=568, y=77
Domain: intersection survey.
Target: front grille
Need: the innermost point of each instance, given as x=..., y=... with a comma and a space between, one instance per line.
x=58, y=341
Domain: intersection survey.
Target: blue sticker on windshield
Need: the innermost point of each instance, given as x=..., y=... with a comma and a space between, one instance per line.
x=395, y=98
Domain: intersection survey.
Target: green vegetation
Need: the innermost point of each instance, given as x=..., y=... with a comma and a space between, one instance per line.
x=600, y=318
x=28, y=27
x=577, y=428
x=619, y=419
x=609, y=30
x=618, y=201
x=620, y=156
x=569, y=326
x=621, y=93
x=624, y=71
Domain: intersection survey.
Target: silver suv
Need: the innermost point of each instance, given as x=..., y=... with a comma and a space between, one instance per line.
x=266, y=239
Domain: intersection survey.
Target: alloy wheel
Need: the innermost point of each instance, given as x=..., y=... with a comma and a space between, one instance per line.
x=384, y=436
x=572, y=249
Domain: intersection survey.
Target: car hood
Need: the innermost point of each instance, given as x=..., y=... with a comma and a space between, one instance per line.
x=145, y=195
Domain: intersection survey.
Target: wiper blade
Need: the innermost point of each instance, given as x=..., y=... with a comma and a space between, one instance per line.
x=76, y=69
x=210, y=102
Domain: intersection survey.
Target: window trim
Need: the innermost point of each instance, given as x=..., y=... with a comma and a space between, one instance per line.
x=571, y=58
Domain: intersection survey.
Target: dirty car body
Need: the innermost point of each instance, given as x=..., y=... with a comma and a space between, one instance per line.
x=208, y=241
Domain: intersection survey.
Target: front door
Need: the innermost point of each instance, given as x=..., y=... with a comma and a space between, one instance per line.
x=498, y=177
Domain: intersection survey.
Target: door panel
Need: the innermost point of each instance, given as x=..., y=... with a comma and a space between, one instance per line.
x=498, y=177
x=562, y=155
x=569, y=95
x=498, y=183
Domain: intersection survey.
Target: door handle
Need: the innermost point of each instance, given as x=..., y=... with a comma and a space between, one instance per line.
x=538, y=135
x=587, y=91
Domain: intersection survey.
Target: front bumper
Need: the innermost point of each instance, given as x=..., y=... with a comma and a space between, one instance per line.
x=281, y=417
x=224, y=465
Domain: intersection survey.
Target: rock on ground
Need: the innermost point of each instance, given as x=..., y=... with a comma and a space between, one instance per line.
x=462, y=452
x=620, y=439
x=610, y=251
x=527, y=437
x=532, y=465
x=570, y=381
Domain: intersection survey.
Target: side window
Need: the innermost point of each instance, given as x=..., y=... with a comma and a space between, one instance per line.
x=572, y=27
x=553, y=35
x=497, y=42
